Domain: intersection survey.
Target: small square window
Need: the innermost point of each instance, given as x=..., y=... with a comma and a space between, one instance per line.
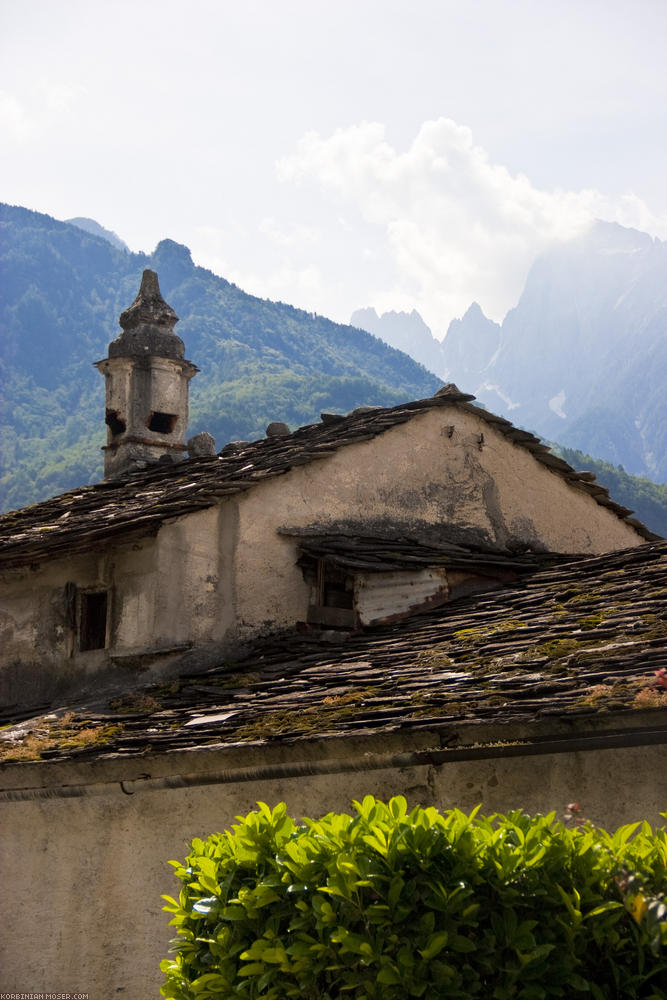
x=162, y=423
x=115, y=422
x=93, y=621
x=332, y=597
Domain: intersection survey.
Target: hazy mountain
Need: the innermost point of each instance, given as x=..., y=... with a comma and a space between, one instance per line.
x=406, y=332
x=471, y=343
x=90, y=226
x=63, y=290
x=582, y=358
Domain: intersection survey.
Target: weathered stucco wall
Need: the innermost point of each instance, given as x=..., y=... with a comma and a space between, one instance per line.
x=194, y=597
x=81, y=907
x=163, y=593
x=414, y=479
x=39, y=648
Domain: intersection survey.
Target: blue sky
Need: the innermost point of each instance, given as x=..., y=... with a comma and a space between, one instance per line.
x=341, y=154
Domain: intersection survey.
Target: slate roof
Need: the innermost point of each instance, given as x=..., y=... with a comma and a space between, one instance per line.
x=384, y=555
x=581, y=645
x=87, y=517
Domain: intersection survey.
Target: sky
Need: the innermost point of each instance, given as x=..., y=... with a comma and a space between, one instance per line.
x=338, y=154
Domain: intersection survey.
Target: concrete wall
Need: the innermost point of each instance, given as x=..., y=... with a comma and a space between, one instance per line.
x=82, y=876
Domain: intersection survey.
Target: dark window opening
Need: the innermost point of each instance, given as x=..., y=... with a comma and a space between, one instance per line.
x=337, y=589
x=332, y=601
x=115, y=422
x=162, y=423
x=93, y=621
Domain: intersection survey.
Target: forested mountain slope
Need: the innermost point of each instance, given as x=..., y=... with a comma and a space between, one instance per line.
x=62, y=291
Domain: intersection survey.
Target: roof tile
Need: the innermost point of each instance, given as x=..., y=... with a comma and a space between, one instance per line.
x=143, y=500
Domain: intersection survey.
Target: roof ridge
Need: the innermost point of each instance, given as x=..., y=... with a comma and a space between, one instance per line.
x=199, y=482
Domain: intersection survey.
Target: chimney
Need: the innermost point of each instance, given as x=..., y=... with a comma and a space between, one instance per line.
x=147, y=380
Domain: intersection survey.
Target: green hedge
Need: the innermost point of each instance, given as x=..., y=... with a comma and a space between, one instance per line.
x=393, y=904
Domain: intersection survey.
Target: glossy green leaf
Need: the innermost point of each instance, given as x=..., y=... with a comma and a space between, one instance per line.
x=434, y=945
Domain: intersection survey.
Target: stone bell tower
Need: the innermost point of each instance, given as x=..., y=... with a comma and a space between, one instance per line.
x=147, y=380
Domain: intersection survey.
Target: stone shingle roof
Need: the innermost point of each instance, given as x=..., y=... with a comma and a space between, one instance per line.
x=140, y=502
x=578, y=647
x=383, y=555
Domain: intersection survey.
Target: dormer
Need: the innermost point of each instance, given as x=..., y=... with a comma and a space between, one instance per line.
x=147, y=382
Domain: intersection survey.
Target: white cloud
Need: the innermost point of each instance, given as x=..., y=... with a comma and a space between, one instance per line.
x=14, y=120
x=59, y=98
x=288, y=235
x=457, y=227
x=45, y=107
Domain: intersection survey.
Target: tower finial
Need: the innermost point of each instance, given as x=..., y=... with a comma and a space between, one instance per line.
x=149, y=307
x=148, y=325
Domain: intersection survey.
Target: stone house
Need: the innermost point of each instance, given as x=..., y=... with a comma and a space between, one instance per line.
x=171, y=562
x=419, y=599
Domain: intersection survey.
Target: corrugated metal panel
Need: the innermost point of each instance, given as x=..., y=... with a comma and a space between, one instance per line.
x=380, y=597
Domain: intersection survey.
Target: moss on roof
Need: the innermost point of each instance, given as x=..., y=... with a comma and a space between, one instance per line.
x=525, y=654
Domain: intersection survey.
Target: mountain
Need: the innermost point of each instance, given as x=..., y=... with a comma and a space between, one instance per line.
x=90, y=226
x=471, y=343
x=582, y=358
x=406, y=332
x=63, y=290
